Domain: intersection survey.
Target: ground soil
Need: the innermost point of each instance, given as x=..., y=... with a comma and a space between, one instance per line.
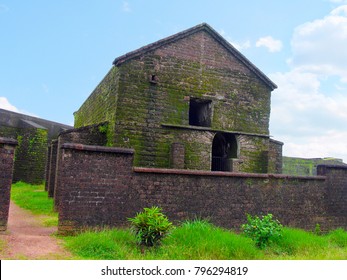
x=27, y=238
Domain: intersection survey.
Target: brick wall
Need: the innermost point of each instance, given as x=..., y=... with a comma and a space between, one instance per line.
x=275, y=156
x=88, y=135
x=98, y=186
x=336, y=192
x=33, y=136
x=96, y=191
x=7, y=149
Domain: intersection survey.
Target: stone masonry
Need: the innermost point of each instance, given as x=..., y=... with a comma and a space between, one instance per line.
x=7, y=149
x=98, y=186
x=191, y=89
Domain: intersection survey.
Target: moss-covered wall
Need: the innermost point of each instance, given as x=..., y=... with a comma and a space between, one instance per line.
x=101, y=105
x=306, y=166
x=140, y=95
x=31, y=153
x=30, y=157
x=193, y=67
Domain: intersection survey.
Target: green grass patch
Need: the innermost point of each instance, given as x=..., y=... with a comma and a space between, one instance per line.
x=3, y=246
x=192, y=240
x=301, y=245
x=197, y=240
x=35, y=199
x=200, y=240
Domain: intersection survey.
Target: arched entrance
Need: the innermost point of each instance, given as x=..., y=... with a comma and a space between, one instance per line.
x=224, y=148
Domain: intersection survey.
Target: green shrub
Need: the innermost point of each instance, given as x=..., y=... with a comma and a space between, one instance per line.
x=262, y=231
x=150, y=226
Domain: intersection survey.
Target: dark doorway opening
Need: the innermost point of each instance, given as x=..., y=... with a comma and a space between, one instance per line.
x=200, y=112
x=224, y=148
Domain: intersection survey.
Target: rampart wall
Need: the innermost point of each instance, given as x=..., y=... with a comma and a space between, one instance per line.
x=98, y=186
x=7, y=149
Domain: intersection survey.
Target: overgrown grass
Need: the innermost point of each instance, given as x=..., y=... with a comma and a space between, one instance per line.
x=301, y=245
x=200, y=240
x=191, y=240
x=35, y=199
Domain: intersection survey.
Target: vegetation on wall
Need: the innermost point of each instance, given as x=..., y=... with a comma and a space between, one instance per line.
x=30, y=156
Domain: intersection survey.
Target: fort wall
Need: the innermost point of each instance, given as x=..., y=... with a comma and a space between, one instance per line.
x=98, y=186
x=7, y=150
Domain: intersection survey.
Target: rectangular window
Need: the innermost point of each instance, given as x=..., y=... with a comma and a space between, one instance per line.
x=200, y=111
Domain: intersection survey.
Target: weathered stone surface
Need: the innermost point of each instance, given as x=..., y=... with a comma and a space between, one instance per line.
x=100, y=187
x=33, y=135
x=195, y=65
x=7, y=149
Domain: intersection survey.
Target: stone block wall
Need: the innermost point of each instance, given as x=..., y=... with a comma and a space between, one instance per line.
x=88, y=135
x=33, y=136
x=96, y=191
x=336, y=192
x=147, y=99
x=7, y=150
x=275, y=157
x=98, y=186
x=31, y=156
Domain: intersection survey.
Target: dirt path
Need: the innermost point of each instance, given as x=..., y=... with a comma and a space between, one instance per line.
x=26, y=238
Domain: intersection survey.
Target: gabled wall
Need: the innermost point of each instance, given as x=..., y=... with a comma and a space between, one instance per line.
x=146, y=102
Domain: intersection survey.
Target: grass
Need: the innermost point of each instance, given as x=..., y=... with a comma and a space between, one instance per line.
x=192, y=240
x=3, y=246
x=200, y=240
x=35, y=199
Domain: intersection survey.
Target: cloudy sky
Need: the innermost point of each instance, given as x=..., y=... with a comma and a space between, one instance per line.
x=54, y=53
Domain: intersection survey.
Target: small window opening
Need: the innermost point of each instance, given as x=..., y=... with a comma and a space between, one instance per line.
x=153, y=79
x=200, y=112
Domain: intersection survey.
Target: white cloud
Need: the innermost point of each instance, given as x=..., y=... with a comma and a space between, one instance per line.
x=246, y=44
x=5, y=104
x=126, y=7
x=320, y=46
x=241, y=45
x=309, y=108
x=270, y=43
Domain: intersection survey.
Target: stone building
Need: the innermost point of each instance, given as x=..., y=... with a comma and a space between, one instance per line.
x=33, y=136
x=189, y=101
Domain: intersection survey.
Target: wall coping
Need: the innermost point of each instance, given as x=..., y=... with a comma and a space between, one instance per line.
x=92, y=148
x=335, y=166
x=204, y=128
x=82, y=128
x=8, y=141
x=223, y=174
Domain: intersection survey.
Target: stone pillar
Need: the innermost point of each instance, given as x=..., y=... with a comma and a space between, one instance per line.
x=7, y=149
x=177, y=155
x=52, y=168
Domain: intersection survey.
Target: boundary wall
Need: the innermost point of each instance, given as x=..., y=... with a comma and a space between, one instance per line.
x=98, y=186
x=7, y=150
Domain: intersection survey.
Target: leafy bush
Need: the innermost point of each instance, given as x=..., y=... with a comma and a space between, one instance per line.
x=262, y=231
x=150, y=226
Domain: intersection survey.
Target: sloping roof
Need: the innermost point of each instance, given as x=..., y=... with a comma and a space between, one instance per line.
x=201, y=27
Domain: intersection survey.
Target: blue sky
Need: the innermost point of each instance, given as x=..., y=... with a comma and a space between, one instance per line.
x=54, y=53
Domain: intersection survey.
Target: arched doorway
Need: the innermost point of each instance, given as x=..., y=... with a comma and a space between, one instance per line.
x=224, y=148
